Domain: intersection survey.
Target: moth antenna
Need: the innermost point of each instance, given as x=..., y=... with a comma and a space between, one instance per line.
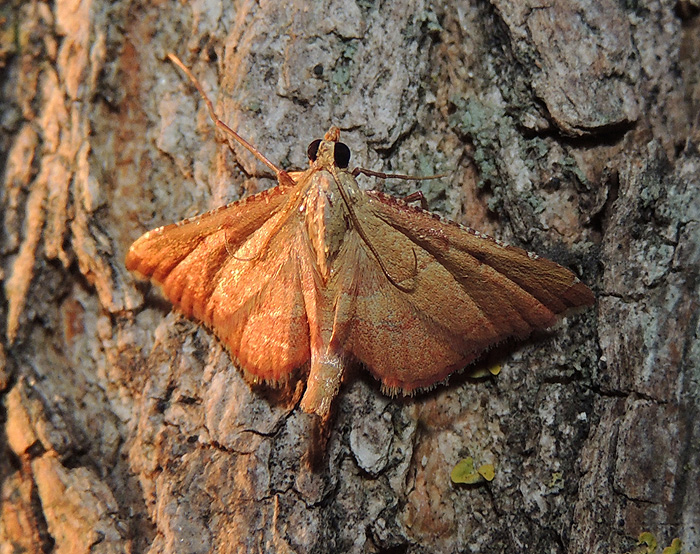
x=365, y=239
x=251, y=259
x=286, y=211
x=380, y=175
x=263, y=247
x=238, y=258
x=221, y=125
x=228, y=245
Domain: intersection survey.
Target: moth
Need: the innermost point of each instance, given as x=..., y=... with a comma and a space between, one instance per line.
x=316, y=273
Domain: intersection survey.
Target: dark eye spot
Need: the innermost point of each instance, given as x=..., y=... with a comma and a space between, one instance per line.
x=312, y=150
x=341, y=155
x=318, y=70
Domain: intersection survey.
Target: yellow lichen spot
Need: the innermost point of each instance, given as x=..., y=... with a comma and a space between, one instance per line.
x=487, y=471
x=464, y=472
x=557, y=480
x=479, y=373
x=482, y=371
x=649, y=540
x=675, y=547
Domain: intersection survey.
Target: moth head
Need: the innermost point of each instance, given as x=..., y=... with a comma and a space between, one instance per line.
x=329, y=150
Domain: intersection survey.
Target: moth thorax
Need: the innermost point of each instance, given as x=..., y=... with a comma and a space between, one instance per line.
x=325, y=220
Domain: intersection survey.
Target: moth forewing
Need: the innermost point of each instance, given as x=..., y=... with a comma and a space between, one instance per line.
x=470, y=292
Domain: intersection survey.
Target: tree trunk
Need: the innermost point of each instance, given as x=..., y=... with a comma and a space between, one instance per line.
x=570, y=129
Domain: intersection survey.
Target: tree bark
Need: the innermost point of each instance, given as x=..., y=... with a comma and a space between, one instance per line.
x=570, y=129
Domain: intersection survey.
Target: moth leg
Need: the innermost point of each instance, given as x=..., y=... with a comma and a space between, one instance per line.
x=380, y=175
x=417, y=196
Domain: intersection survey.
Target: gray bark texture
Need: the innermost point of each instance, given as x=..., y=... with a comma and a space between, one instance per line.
x=570, y=128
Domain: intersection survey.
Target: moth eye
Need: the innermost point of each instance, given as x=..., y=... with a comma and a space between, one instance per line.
x=312, y=150
x=341, y=155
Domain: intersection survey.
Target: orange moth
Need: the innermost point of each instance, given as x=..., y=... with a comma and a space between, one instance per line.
x=315, y=273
